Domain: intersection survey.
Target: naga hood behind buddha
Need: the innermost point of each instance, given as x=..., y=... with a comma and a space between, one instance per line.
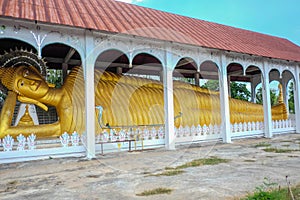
x=126, y=101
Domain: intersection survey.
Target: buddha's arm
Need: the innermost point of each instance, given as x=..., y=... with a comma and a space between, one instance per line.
x=7, y=113
x=44, y=130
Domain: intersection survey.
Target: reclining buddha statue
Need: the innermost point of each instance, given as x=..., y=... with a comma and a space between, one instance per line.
x=126, y=101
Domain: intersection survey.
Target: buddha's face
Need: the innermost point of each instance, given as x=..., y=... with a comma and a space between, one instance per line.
x=28, y=82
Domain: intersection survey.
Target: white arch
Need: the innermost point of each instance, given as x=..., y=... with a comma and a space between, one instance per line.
x=79, y=50
x=180, y=58
x=157, y=53
x=98, y=51
x=20, y=39
x=111, y=49
x=212, y=61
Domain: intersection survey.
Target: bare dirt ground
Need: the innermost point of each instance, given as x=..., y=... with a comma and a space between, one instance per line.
x=123, y=175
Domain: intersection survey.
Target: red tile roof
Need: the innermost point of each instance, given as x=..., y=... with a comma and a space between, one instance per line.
x=119, y=17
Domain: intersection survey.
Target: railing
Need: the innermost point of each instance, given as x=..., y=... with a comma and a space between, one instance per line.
x=197, y=133
x=141, y=137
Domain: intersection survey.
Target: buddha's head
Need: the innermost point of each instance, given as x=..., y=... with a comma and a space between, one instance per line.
x=24, y=80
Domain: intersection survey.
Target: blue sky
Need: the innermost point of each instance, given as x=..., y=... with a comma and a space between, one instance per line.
x=274, y=17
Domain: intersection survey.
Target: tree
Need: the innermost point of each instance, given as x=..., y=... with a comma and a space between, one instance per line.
x=273, y=96
x=291, y=98
x=211, y=85
x=54, y=77
x=238, y=90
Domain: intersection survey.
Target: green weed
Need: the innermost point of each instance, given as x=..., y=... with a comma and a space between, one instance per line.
x=155, y=192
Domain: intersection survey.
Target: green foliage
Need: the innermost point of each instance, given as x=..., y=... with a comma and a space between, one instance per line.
x=263, y=144
x=155, y=192
x=172, y=171
x=266, y=191
x=239, y=91
x=273, y=96
x=271, y=191
x=55, y=77
x=212, y=85
x=203, y=161
x=169, y=172
x=291, y=98
x=277, y=150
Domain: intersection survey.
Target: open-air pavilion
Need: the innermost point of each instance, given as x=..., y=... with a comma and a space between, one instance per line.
x=136, y=41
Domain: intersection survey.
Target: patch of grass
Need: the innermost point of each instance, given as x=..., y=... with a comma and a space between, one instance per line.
x=262, y=144
x=275, y=194
x=249, y=160
x=169, y=172
x=293, y=156
x=173, y=171
x=15, y=182
x=169, y=168
x=276, y=150
x=296, y=191
x=287, y=141
x=155, y=191
x=203, y=161
x=286, y=145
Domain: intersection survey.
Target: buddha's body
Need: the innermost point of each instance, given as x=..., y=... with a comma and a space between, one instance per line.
x=126, y=101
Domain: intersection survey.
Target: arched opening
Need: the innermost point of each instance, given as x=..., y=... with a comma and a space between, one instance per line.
x=112, y=60
x=201, y=104
x=278, y=108
x=147, y=66
x=186, y=71
x=254, y=74
x=133, y=98
x=185, y=77
x=61, y=60
x=238, y=82
x=290, y=98
x=288, y=90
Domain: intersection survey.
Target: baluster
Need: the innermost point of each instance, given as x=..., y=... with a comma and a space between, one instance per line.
x=31, y=141
x=8, y=143
x=21, y=142
x=75, y=138
x=199, y=130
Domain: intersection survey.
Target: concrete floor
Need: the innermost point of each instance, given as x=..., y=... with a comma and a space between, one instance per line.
x=123, y=175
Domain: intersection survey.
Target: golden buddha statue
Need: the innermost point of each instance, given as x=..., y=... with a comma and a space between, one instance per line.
x=126, y=101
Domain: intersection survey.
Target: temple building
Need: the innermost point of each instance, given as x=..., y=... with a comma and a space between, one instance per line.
x=125, y=40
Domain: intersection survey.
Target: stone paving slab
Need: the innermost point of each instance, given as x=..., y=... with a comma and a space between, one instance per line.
x=122, y=175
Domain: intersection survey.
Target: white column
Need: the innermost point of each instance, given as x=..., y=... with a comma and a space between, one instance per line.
x=254, y=82
x=224, y=101
x=168, y=102
x=284, y=84
x=267, y=102
x=297, y=99
x=89, y=95
x=253, y=95
x=228, y=84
